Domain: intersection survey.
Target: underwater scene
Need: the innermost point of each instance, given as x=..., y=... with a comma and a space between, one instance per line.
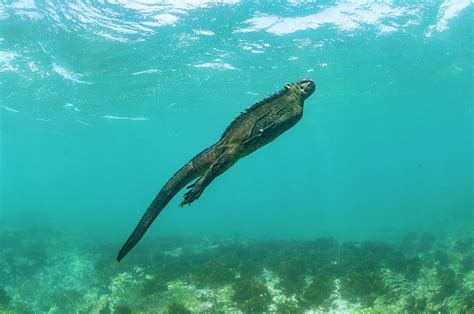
x=325, y=150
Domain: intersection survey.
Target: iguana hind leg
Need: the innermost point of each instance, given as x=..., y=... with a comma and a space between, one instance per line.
x=222, y=163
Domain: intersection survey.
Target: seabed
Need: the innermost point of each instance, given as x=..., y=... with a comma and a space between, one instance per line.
x=43, y=271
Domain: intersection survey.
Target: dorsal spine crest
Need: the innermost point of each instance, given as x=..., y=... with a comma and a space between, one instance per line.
x=254, y=107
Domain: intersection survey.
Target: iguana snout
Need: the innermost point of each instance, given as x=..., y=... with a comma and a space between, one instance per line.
x=306, y=87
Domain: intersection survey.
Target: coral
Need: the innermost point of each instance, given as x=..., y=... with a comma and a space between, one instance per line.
x=177, y=308
x=250, y=295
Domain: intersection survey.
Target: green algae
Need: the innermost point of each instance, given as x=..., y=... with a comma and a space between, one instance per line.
x=467, y=262
x=292, y=274
x=361, y=286
x=122, y=309
x=5, y=299
x=254, y=276
x=464, y=245
x=176, y=308
x=288, y=307
x=213, y=274
x=250, y=296
x=319, y=291
x=248, y=269
x=426, y=241
x=415, y=305
x=170, y=267
x=153, y=286
x=448, y=282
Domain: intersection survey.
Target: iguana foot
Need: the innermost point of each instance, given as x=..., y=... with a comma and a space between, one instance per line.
x=193, y=194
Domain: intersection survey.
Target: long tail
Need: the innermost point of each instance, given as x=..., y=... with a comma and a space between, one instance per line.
x=180, y=179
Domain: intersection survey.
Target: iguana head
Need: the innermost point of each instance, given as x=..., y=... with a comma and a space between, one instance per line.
x=304, y=88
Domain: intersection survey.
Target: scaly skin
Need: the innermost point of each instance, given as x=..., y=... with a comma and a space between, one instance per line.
x=257, y=126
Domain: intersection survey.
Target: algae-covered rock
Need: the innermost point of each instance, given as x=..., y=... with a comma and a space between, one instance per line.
x=426, y=241
x=213, y=274
x=359, y=286
x=176, y=308
x=412, y=267
x=464, y=245
x=448, y=281
x=249, y=269
x=467, y=262
x=292, y=274
x=153, y=285
x=122, y=309
x=252, y=277
x=415, y=305
x=319, y=291
x=288, y=307
x=442, y=257
x=250, y=296
x=173, y=267
x=468, y=302
x=4, y=298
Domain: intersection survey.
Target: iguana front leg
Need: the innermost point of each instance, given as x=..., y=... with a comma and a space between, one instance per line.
x=222, y=163
x=258, y=134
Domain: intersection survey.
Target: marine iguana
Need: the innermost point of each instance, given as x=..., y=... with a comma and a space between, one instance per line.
x=257, y=126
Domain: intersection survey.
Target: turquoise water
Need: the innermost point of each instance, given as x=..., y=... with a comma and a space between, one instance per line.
x=102, y=101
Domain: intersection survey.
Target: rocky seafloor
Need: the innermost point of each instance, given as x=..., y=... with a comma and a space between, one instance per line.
x=42, y=271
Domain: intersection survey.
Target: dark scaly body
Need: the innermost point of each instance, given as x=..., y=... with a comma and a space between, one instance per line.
x=257, y=126
x=275, y=115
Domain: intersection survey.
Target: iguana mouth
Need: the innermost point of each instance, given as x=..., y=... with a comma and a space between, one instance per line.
x=307, y=87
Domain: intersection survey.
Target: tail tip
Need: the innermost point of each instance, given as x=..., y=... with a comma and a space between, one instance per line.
x=121, y=255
